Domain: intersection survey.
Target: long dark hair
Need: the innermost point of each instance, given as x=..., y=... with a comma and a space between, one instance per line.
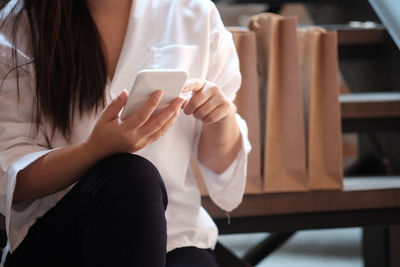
x=68, y=60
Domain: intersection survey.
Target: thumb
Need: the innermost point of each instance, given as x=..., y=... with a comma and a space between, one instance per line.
x=112, y=110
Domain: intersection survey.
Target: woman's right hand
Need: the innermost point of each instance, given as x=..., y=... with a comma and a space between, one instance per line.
x=62, y=167
x=111, y=135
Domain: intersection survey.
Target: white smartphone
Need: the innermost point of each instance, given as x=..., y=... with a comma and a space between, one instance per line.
x=147, y=81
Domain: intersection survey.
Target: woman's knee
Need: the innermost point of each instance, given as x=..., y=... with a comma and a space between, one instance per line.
x=128, y=165
x=130, y=175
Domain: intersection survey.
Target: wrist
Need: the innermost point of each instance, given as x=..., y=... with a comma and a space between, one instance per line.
x=223, y=133
x=93, y=150
x=230, y=116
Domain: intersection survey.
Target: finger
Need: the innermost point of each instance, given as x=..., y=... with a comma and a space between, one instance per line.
x=139, y=117
x=159, y=119
x=184, y=104
x=198, y=99
x=193, y=85
x=112, y=110
x=164, y=129
x=211, y=104
x=216, y=115
x=209, y=90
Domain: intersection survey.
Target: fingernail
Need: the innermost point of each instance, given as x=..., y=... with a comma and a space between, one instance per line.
x=121, y=95
x=159, y=93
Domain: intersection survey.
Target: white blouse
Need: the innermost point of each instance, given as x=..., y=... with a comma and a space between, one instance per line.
x=185, y=34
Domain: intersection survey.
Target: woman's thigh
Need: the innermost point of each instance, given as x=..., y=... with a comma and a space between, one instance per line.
x=191, y=257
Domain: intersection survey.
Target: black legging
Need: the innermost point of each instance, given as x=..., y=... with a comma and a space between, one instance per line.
x=114, y=216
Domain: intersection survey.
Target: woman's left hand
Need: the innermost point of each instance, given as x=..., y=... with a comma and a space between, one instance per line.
x=207, y=103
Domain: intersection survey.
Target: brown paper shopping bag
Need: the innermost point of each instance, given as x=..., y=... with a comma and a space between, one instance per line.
x=247, y=101
x=284, y=156
x=320, y=82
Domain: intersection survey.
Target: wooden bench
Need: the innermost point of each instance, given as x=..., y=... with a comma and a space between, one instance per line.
x=366, y=193
x=364, y=202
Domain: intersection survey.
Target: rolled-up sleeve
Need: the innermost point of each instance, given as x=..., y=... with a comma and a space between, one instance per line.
x=225, y=189
x=20, y=145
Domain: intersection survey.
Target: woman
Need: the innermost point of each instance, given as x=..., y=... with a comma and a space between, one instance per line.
x=72, y=191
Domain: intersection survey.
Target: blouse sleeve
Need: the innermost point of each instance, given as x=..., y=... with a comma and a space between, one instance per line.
x=20, y=145
x=226, y=189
